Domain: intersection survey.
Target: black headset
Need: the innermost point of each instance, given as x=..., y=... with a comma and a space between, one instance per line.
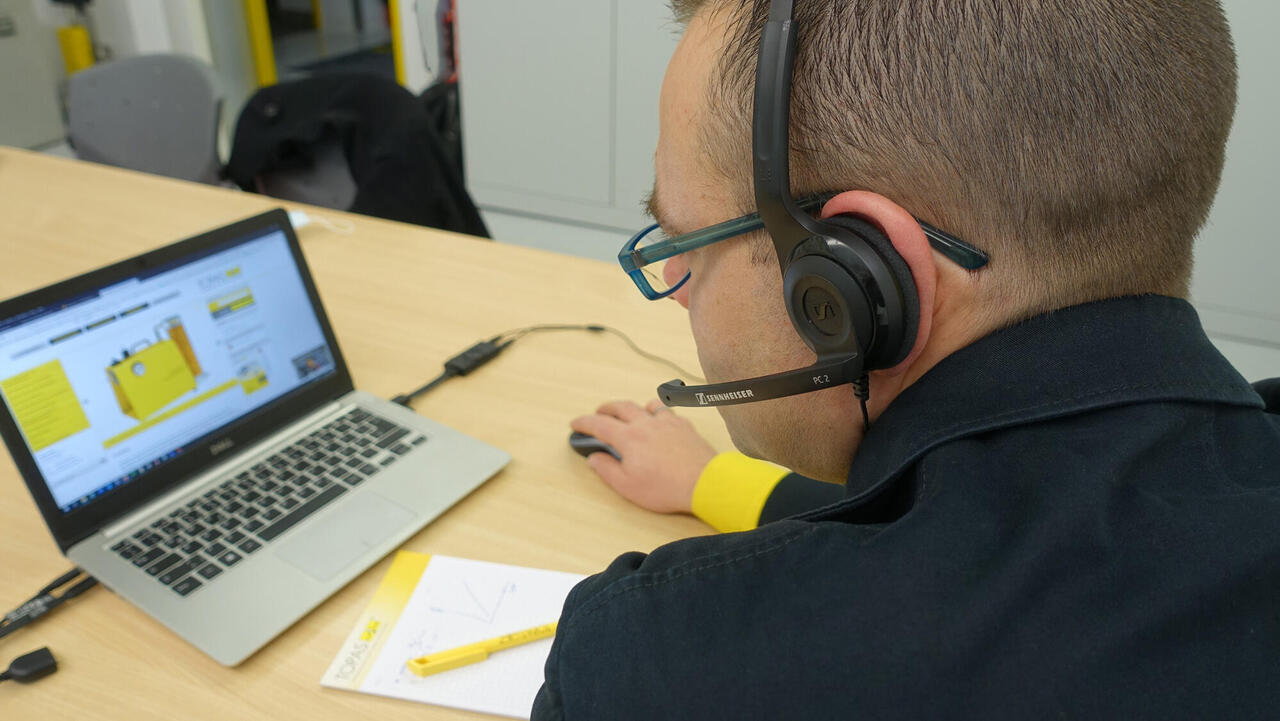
x=849, y=294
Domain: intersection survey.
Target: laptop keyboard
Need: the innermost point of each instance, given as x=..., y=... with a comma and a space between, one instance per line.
x=214, y=531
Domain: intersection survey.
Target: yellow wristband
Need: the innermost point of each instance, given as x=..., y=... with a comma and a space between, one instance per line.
x=732, y=490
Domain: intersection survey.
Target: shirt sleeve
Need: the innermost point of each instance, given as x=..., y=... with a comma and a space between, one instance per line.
x=796, y=494
x=737, y=493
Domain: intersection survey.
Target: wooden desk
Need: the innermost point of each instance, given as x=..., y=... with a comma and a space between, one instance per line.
x=402, y=299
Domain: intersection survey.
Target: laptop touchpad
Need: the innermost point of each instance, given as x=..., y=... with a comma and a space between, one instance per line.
x=343, y=535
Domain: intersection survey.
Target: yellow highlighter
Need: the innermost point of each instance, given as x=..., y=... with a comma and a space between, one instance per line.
x=476, y=652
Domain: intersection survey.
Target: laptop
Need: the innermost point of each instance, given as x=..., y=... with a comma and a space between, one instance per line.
x=191, y=435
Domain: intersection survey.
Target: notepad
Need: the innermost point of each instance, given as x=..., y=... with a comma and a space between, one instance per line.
x=429, y=603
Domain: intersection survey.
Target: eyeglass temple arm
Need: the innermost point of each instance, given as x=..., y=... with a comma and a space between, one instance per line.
x=961, y=253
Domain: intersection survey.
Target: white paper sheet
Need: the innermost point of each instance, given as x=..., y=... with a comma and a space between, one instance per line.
x=457, y=602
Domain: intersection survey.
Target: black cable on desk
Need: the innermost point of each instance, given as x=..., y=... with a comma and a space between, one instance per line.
x=460, y=365
x=31, y=667
x=45, y=600
x=405, y=399
x=519, y=333
x=486, y=350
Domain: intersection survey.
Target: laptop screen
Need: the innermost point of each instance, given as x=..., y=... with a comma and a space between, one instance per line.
x=109, y=385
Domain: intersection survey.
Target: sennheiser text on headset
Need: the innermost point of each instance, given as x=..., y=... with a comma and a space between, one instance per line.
x=849, y=294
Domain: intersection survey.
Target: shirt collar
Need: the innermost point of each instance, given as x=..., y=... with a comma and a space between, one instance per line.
x=1107, y=353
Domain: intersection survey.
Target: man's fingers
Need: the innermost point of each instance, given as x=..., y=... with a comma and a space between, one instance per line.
x=655, y=406
x=624, y=410
x=607, y=467
x=603, y=427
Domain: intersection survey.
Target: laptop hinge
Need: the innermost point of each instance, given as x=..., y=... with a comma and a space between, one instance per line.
x=198, y=484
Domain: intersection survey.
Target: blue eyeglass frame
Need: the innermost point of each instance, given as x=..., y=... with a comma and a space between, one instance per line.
x=633, y=260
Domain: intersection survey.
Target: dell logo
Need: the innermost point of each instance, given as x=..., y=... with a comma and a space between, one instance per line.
x=223, y=445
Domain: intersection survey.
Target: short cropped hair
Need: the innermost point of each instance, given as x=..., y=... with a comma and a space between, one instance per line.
x=1079, y=142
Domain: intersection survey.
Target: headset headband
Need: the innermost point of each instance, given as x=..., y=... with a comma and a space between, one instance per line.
x=786, y=223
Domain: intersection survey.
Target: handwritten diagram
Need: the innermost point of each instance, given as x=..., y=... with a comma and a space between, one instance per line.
x=474, y=607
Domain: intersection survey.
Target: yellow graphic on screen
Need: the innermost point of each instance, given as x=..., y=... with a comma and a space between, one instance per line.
x=178, y=334
x=45, y=405
x=225, y=305
x=252, y=378
x=174, y=412
x=151, y=379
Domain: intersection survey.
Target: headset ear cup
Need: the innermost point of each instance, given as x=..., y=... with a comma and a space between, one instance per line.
x=901, y=276
x=827, y=306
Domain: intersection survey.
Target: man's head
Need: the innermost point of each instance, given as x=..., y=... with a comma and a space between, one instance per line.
x=1079, y=143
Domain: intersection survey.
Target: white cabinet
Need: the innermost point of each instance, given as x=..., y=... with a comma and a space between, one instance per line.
x=560, y=105
x=29, y=74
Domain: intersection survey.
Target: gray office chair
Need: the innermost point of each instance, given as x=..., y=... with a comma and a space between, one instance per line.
x=154, y=113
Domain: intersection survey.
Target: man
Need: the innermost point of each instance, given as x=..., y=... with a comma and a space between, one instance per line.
x=1065, y=503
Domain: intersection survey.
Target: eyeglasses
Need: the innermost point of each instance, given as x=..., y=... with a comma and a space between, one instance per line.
x=644, y=256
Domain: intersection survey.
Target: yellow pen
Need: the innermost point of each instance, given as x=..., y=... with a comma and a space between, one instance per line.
x=475, y=652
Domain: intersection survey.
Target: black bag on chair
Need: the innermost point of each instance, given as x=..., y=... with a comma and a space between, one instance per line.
x=299, y=134
x=441, y=104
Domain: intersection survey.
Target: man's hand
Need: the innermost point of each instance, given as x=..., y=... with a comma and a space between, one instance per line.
x=662, y=455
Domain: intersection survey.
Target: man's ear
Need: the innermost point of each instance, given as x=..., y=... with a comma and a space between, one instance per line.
x=909, y=240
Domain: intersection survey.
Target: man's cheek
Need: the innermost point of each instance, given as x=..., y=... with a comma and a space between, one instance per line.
x=675, y=269
x=711, y=345
x=681, y=296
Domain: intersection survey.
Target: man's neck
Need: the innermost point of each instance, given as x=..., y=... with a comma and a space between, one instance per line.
x=954, y=325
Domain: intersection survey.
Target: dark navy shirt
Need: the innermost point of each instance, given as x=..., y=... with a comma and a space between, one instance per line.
x=1075, y=518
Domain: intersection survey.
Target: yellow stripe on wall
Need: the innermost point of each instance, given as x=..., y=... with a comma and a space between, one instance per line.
x=397, y=43
x=77, y=48
x=264, y=56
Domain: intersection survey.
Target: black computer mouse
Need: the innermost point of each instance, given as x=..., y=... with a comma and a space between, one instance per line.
x=585, y=445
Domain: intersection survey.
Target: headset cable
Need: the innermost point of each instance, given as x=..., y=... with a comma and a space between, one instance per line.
x=486, y=350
